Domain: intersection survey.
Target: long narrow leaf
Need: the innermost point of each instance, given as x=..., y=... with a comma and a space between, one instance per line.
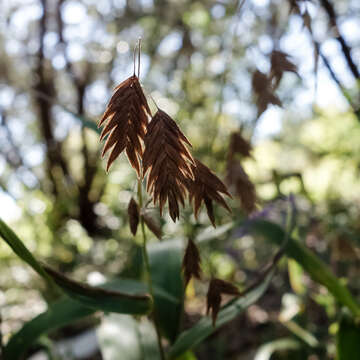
x=20, y=250
x=64, y=312
x=123, y=337
x=101, y=298
x=204, y=328
x=316, y=268
x=165, y=267
x=348, y=339
x=61, y=313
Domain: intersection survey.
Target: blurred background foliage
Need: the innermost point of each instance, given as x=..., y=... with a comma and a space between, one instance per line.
x=60, y=60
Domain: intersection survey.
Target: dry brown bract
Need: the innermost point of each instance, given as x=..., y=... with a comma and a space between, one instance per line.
x=264, y=92
x=237, y=178
x=206, y=187
x=169, y=162
x=126, y=120
x=218, y=287
x=238, y=145
x=191, y=262
x=279, y=64
x=152, y=224
x=134, y=216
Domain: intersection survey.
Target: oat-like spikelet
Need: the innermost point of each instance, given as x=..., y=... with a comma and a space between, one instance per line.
x=168, y=161
x=125, y=120
x=264, y=92
x=218, y=287
x=153, y=225
x=134, y=215
x=206, y=187
x=191, y=262
x=238, y=145
x=237, y=179
x=279, y=64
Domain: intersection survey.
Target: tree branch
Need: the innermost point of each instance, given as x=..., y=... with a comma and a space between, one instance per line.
x=328, y=7
x=44, y=85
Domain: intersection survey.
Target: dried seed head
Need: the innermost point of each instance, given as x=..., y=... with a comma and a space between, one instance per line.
x=126, y=120
x=279, y=64
x=191, y=262
x=206, y=187
x=237, y=179
x=238, y=145
x=259, y=82
x=218, y=287
x=264, y=92
x=133, y=213
x=307, y=21
x=295, y=6
x=152, y=224
x=168, y=161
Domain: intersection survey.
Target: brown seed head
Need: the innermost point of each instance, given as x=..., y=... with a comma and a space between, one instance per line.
x=259, y=81
x=206, y=187
x=263, y=91
x=217, y=287
x=295, y=6
x=238, y=145
x=133, y=213
x=279, y=64
x=152, y=224
x=125, y=120
x=168, y=161
x=191, y=262
x=237, y=179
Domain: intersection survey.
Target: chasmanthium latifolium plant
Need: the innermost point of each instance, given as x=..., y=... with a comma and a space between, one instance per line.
x=157, y=149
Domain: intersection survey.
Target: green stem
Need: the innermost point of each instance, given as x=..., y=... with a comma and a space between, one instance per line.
x=148, y=273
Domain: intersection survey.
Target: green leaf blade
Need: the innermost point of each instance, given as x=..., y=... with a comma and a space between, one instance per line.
x=311, y=263
x=348, y=339
x=204, y=328
x=101, y=298
x=59, y=314
x=20, y=249
x=165, y=268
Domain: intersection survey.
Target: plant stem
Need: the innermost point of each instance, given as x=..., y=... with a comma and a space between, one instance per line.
x=148, y=274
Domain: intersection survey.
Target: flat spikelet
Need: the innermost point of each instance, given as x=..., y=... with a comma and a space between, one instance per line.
x=206, y=187
x=152, y=224
x=218, y=287
x=238, y=180
x=191, y=262
x=168, y=161
x=134, y=215
x=238, y=145
x=280, y=63
x=125, y=121
x=264, y=92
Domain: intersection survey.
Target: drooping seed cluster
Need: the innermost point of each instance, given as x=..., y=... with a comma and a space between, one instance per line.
x=158, y=149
